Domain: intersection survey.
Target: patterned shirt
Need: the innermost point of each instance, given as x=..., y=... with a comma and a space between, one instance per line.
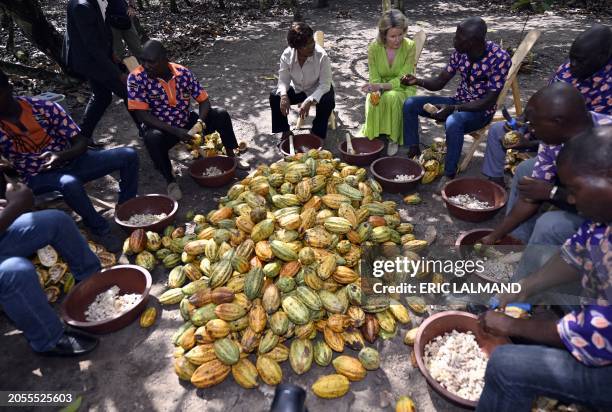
x=48, y=128
x=596, y=90
x=168, y=101
x=478, y=78
x=545, y=167
x=587, y=334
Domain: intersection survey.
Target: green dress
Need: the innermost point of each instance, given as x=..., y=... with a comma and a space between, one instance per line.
x=386, y=117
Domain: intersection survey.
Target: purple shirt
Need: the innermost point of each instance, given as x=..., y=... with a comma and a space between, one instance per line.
x=596, y=90
x=48, y=128
x=545, y=167
x=168, y=101
x=488, y=74
x=587, y=334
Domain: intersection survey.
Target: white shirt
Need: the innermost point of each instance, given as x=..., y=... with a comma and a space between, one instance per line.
x=103, y=5
x=314, y=77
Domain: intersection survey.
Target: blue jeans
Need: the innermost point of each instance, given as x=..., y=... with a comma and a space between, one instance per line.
x=495, y=153
x=517, y=374
x=457, y=125
x=91, y=165
x=21, y=296
x=548, y=228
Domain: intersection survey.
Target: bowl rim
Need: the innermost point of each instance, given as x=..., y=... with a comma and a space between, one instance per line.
x=421, y=363
x=208, y=178
x=286, y=154
x=463, y=235
x=488, y=209
x=345, y=152
x=380, y=159
x=123, y=223
x=79, y=324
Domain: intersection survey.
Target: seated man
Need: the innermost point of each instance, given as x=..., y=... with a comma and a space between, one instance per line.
x=22, y=233
x=556, y=114
x=589, y=70
x=571, y=359
x=305, y=78
x=159, y=93
x=483, y=66
x=46, y=149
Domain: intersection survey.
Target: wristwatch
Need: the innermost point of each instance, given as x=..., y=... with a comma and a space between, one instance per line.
x=553, y=192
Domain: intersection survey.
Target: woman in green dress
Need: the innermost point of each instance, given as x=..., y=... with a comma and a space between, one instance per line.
x=390, y=57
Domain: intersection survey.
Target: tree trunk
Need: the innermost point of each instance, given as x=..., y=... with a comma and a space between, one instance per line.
x=28, y=15
x=222, y=4
x=35, y=73
x=173, y=6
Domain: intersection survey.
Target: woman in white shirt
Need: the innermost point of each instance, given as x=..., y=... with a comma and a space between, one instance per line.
x=304, y=77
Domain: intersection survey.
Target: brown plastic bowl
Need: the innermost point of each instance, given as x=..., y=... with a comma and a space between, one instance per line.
x=301, y=143
x=473, y=236
x=129, y=279
x=482, y=189
x=386, y=168
x=224, y=163
x=366, y=151
x=441, y=323
x=148, y=204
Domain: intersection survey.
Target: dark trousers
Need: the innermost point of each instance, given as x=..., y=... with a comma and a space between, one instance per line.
x=159, y=143
x=101, y=97
x=325, y=108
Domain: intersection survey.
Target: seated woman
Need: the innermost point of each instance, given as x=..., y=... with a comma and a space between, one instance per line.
x=304, y=77
x=390, y=57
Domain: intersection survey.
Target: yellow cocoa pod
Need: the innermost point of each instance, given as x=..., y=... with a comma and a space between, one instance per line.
x=429, y=177
x=331, y=386
x=200, y=354
x=405, y=404
x=210, y=373
x=148, y=317
x=269, y=370
x=399, y=312
x=411, y=336
x=183, y=368
x=349, y=367
x=245, y=373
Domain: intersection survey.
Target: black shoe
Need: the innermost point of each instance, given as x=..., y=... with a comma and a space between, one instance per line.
x=414, y=151
x=93, y=145
x=499, y=180
x=73, y=343
x=110, y=242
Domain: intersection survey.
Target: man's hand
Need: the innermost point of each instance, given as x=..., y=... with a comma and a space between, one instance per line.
x=285, y=105
x=305, y=108
x=409, y=80
x=534, y=190
x=489, y=239
x=183, y=135
x=523, y=142
x=19, y=196
x=443, y=113
x=52, y=160
x=497, y=323
x=131, y=11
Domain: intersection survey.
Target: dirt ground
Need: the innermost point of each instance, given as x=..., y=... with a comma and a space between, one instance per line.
x=132, y=369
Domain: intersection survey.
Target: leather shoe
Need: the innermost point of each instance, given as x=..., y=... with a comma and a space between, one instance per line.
x=73, y=343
